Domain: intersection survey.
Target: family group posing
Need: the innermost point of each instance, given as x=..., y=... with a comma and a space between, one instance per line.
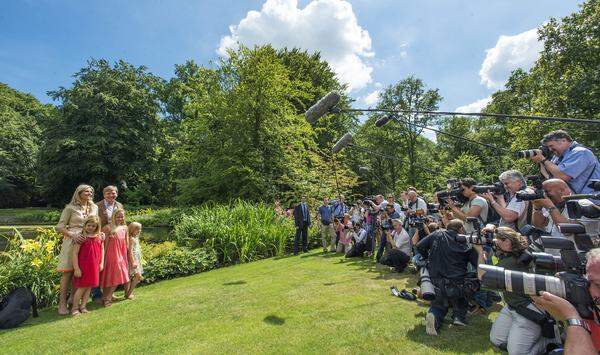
x=99, y=251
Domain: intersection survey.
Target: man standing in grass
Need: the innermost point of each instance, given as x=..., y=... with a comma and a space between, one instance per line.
x=106, y=207
x=302, y=222
x=325, y=214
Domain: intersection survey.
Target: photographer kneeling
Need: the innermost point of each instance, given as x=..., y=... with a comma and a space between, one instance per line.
x=513, y=213
x=518, y=328
x=398, y=242
x=447, y=264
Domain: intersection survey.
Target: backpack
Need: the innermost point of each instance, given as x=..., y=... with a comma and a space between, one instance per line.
x=14, y=308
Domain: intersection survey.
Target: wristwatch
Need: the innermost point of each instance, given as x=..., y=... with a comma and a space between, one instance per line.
x=576, y=322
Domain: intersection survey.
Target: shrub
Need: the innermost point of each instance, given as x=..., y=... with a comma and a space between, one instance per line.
x=32, y=263
x=238, y=232
x=155, y=218
x=167, y=260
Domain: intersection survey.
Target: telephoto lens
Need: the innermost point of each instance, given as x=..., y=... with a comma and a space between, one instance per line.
x=526, y=153
x=569, y=286
x=583, y=208
x=427, y=288
x=548, y=262
x=521, y=283
x=571, y=228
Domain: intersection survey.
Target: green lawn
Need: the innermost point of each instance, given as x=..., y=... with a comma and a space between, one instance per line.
x=303, y=304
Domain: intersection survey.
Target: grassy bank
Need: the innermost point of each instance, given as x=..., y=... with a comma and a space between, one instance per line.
x=303, y=304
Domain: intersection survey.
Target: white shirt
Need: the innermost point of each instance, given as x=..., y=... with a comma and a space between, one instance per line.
x=402, y=241
x=420, y=204
x=516, y=206
x=361, y=235
x=110, y=209
x=477, y=201
x=592, y=226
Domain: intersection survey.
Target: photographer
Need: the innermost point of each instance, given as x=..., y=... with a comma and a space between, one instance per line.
x=513, y=214
x=386, y=218
x=579, y=340
x=421, y=233
x=398, y=241
x=518, y=326
x=572, y=162
x=550, y=211
x=447, y=265
x=326, y=225
x=391, y=201
x=413, y=203
x=476, y=206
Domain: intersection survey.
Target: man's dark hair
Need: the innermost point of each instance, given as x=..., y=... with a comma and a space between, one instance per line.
x=455, y=225
x=556, y=135
x=468, y=182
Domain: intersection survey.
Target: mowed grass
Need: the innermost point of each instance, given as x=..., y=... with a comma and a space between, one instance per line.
x=299, y=304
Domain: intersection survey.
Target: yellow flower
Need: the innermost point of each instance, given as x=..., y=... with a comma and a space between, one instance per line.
x=50, y=246
x=36, y=262
x=28, y=245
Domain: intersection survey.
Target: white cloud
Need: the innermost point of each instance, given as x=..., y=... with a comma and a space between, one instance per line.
x=476, y=106
x=327, y=26
x=510, y=53
x=372, y=98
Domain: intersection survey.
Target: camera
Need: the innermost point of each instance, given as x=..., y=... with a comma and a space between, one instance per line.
x=454, y=194
x=546, y=152
x=582, y=208
x=478, y=237
x=594, y=185
x=496, y=189
x=537, y=194
x=570, y=283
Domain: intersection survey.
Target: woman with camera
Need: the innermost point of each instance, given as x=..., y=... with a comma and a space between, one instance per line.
x=518, y=328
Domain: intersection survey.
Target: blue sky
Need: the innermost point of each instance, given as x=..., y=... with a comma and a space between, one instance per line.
x=373, y=43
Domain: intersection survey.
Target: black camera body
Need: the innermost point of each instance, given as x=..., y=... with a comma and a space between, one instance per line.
x=594, y=185
x=538, y=192
x=546, y=152
x=582, y=208
x=496, y=188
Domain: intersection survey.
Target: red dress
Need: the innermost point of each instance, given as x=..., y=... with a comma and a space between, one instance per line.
x=89, y=257
x=115, y=260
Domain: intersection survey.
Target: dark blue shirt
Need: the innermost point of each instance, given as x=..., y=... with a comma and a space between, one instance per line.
x=326, y=214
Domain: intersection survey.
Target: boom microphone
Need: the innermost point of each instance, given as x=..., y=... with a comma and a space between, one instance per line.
x=322, y=107
x=344, y=141
x=382, y=121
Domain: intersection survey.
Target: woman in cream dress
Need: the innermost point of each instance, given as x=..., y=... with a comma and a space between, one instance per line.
x=70, y=226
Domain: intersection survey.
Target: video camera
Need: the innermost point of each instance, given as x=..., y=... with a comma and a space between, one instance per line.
x=570, y=283
x=546, y=152
x=538, y=192
x=454, y=192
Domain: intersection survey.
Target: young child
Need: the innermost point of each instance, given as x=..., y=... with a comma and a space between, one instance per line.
x=116, y=251
x=88, y=262
x=135, y=273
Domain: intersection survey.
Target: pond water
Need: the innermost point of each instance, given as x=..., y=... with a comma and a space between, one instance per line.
x=149, y=234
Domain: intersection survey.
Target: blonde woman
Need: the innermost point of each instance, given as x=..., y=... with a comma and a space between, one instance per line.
x=70, y=226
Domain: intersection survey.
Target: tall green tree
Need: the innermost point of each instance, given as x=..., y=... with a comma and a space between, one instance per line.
x=21, y=117
x=108, y=132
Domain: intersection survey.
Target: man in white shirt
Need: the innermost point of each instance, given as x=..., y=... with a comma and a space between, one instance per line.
x=391, y=201
x=398, y=253
x=513, y=213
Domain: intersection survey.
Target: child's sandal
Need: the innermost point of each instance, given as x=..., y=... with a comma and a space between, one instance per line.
x=83, y=310
x=107, y=303
x=75, y=313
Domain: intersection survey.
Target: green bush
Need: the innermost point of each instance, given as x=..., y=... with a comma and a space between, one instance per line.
x=238, y=232
x=32, y=263
x=167, y=260
x=155, y=217
x=29, y=216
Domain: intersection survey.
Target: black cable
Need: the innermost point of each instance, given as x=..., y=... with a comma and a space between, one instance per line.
x=480, y=114
x=399, y=120
x=394, y=158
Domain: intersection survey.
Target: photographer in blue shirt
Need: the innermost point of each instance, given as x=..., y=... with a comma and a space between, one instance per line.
x=573, y=163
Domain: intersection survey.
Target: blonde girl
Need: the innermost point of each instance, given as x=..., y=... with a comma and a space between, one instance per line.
x=70, y=225
x=88, y=261
x=116, y=255
x=135, y=273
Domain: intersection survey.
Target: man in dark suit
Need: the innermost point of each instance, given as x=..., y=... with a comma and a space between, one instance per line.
x=302, y=222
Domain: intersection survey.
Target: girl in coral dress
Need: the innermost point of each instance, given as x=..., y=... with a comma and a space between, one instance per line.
x=88, y=258
x=116, y=257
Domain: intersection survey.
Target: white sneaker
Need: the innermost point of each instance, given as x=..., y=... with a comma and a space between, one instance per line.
x=459, y=322
x=430, y=324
